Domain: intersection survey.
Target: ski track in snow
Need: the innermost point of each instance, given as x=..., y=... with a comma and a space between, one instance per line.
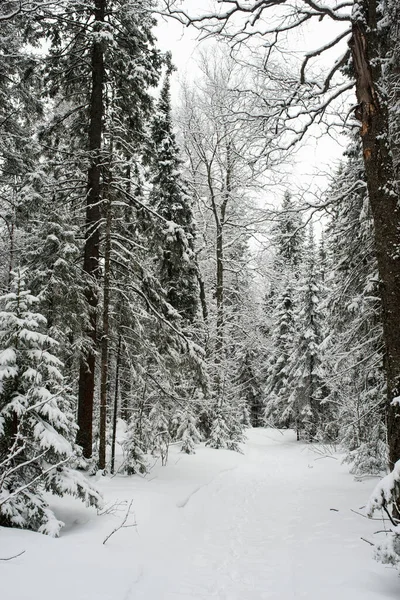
x=217, y=525
x=183, y=503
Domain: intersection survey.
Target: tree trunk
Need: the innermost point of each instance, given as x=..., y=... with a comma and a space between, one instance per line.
x=105, y=339
x=11, y=232
x=368, y=49
x=92, y=238
x=393, y=86
x=202, y=294
x=219, y=343
x=115, y=414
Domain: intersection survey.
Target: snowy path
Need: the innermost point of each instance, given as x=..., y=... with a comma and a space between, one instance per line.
x=217, y=525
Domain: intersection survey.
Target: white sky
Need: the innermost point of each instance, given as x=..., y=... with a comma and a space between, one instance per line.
x=313, y=159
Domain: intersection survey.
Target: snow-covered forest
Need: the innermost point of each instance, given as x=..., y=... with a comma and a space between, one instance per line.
x=199, y=343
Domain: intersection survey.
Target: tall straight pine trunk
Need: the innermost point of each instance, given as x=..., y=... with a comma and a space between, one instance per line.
x=105, y=335
x=115, y=411
x=369, y=47
x=92, y=235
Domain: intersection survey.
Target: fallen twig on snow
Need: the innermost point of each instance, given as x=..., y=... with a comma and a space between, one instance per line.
x=369, y=518
x=122, y=524
x=367, y=541
x=15, y=556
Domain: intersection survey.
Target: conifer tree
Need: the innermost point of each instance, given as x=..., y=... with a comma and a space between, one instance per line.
x=307, y=371
x=102, y=56
x=55, y=276
x=134, y=454
x=282, y=314
x=354, y=348
x=188, y=432
x=249, y=388
x=278, y=382
x=37, y=428
x=173, y=240
x=20, y=107
x=289, y=236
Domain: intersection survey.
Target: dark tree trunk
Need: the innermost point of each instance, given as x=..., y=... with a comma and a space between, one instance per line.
x=368, y=49
x=115, y=413
x=126, y=395
x=219, y=343
x=11, y=231
x=220, y=222
x=92, y=238
x=394, y=84
x=105, y=338
x=202, y=294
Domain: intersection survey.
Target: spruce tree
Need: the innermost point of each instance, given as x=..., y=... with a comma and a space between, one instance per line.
x=102, y=62
x=354, y=350
x=277, y=390
x=37, y=428
x=173, y=238
x=187, y=432
x=281, y=312
x=21, y=106
x=308, y=385
x=249, y=388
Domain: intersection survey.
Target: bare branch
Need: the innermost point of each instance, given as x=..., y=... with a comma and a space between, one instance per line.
x=15, y=556
x=122, y=525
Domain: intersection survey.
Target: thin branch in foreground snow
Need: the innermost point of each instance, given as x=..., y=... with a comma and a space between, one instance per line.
x=369, y=518
x=367, y=541
x=112, y=509
x=122, y=524
x=15, y=556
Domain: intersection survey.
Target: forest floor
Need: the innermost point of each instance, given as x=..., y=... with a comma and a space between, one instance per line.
x=273, y=523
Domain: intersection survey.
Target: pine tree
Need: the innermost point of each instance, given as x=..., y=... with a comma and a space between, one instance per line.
x=354, y=349
x=159, y=419
x=20, y=107
x=37, y=428
x=250, y=389
x=278, y=382
x=102, y=62
x=187, y=432
x=281, y=312
x=55, y=275
x=384, y=498
x=173, y=239
x=134, y=454
x=307, y=377
x=289, y=236
x=219, y=434
x=226, y=429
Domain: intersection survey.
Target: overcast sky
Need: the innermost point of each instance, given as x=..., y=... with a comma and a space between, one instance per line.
x=317, y=156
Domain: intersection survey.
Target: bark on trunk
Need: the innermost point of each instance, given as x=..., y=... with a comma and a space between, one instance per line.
x=394, y=84
x=105, y=339
x=219, y=343
x=115, y=413
x=202, y=294
x=11, y=230
x=92, y=238
x=368, y=48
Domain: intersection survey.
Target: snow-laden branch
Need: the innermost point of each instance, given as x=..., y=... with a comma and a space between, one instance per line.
x=321, y=50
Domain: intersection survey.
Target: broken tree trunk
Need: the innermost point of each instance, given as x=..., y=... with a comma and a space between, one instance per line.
x=369, y=48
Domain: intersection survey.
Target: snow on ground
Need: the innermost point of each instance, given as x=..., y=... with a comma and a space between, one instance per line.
x=215, y=525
